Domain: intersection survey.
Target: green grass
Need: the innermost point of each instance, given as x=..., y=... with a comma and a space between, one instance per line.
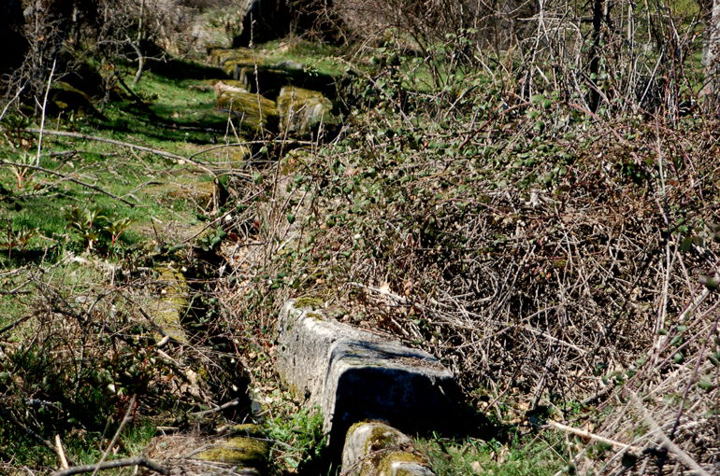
x=323, y=58
x=300, y=436
x=46, y=219
x=37, y=207
x=529, y=455
x=80, y=447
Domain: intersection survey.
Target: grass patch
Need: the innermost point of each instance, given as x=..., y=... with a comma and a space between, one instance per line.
x=530, y=455
x=322, y=58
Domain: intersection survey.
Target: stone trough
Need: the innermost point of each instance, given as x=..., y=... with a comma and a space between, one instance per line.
x=354, y=375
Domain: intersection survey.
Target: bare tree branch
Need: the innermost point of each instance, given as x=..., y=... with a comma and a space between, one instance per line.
x=68, y=178
x=118, y=463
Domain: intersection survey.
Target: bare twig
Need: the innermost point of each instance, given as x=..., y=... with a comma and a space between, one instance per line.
x=226, y=405
x=68, y=178
x=161, y=153
x=125, y=420
x=9, y=103
x=118, y=463
x=666, y=442
x=42, y=119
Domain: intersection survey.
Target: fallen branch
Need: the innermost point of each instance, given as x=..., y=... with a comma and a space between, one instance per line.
x=592, y=436
x=666, y=442
x=68, y=178
x=129, y=145
x=118, y=463
x=15, y=323
x=231, y=403
x=61, y=453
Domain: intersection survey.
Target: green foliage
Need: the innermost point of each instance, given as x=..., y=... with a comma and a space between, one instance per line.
x=299, y=437
x=97, y=230
x=211, y=240
x=540, y=454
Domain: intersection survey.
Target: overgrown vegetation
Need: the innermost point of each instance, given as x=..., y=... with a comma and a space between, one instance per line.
x=526, y=191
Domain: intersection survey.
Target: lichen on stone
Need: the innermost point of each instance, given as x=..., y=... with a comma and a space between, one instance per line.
x=167, y=309
x=302, y=109
x=241, y=451
x=308, y=302
x=247, y=429
x=254, y=110
x=384, y=451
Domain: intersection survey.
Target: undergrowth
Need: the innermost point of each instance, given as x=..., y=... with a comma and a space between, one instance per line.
x=551, y=258
x=561, y=261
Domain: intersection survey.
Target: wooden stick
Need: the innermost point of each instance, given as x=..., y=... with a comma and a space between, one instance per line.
x=61, y=453
x=592, y=436
x=68, y=178
x=666, y=442
x=129, y=145
x=118, y=463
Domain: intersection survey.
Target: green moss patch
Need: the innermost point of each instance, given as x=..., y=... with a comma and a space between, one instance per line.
x=239, y=451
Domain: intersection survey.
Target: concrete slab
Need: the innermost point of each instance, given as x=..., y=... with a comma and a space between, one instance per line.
x=354, y=375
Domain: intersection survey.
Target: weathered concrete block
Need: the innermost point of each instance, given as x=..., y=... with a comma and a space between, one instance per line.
x=355, y=375
x=255, y=111
x=373, y=448
x=302, y=110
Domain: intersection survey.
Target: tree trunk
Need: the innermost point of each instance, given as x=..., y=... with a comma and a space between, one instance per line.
x=12, y=39
x=598, y=16
x=712, y=54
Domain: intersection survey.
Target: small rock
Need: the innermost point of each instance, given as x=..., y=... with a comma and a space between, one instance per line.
x=241, y=451
x=378, y=449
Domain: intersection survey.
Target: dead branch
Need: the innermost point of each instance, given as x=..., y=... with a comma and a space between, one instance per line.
x=118, y=463
x=666, y=442
x=230, y=404
x=142, y=148
x=125, y=420
x=42, y=119
x=68, y=178
x=591, y=436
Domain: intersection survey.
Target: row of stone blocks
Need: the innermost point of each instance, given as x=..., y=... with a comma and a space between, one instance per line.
x=359, y=379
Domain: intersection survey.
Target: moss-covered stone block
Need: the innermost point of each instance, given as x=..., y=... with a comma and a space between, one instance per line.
x=255, y=111
x=65, y=97
x=355, y=375
x=374, y=448
x=247, y=429
x=167, y=308
x=242, y=57
x=240, y=451
x=302, y=110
